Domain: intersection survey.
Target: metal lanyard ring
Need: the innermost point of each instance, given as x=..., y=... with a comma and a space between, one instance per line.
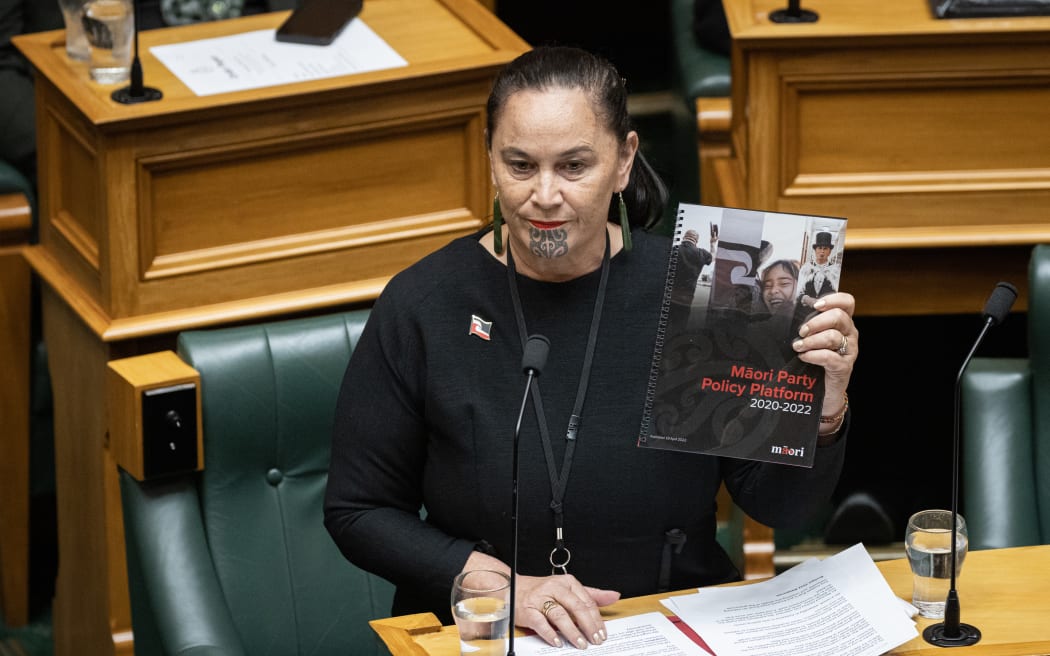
x=555, y=566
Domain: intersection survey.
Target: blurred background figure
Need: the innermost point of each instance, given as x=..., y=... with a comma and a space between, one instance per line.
x=17, y=109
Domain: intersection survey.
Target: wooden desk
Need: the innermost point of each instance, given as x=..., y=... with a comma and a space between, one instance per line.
x=197, y=210
x=929, y=135
x=1002, y=592
x=202, y=211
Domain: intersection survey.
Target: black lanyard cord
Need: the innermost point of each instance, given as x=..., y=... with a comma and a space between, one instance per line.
x=560, y=555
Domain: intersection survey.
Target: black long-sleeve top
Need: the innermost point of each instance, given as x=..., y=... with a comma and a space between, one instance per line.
x=426, y=417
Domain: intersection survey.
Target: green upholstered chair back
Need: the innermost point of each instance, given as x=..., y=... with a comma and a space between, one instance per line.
x=11, y=181
x=702, y=72
x=268, y=402
x=1006, y=432
x=698, y=73
x=1039, y=362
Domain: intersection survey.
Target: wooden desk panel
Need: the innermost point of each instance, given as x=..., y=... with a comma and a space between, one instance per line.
x=924, y=133
x=159, y=208
x=1001, y=591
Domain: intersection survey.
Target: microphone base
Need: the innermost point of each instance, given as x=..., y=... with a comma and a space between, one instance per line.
x=968, y=635
x=788, y=16
x=125, y=97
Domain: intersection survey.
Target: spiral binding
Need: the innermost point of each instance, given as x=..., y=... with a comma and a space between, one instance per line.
x=661, y=331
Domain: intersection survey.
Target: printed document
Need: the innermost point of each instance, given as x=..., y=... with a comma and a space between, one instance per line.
x=256, y=59
x=839, y=606
x=648, y=634
x=724, y=379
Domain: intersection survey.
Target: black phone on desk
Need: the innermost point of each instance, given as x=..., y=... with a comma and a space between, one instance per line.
x=318, y=22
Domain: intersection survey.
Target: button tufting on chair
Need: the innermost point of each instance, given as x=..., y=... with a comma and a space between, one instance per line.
x=219, y=565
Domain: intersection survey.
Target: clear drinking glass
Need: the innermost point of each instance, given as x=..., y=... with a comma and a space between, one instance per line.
x=928, y=545
x=109, y=26
x=481, y=608
x=73, y=17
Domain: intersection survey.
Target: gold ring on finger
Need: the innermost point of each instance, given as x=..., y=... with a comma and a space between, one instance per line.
x=548, y=606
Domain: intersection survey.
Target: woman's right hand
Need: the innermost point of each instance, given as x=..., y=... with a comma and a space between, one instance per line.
x=560, y=604
x=554, y=606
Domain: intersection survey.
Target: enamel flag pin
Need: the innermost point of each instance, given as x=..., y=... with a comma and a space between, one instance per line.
x=480, y=327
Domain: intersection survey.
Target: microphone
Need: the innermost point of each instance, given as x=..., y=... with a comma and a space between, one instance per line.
x=135, y=92
x=534, y=359
x=532, y=362
x=952, y=632
x=794, y=14
x=999, y=303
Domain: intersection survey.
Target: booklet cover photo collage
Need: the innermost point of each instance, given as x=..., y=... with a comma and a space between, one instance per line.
x=725, y=380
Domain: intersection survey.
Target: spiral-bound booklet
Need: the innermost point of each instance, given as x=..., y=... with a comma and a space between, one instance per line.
x=725, y=380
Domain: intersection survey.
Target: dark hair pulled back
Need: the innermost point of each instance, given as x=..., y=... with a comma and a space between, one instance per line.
x=789, y=266
x=551, y=67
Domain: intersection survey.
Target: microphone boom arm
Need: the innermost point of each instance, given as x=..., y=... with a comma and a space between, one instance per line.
x=514, y=514
x=952, y=632
x=533, y=360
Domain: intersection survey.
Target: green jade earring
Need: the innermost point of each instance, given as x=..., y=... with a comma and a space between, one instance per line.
x=497, y=226
x=625, y=224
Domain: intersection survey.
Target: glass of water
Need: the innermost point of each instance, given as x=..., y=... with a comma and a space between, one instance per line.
x=481, y=608
x=928, y=544
x=109, y=26
x=73, y=17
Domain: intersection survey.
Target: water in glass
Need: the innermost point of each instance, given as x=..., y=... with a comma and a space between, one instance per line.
x=481, y=608
x=928, y=545
x=109, y=26
x=483, y=623
x=76, y=40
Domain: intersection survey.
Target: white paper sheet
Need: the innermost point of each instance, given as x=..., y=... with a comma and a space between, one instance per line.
x=840, y=606
x=649, y=634
x=251, y=60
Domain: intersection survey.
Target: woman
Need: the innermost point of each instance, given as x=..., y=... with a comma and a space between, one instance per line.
x=779, y=281
x=427, y=411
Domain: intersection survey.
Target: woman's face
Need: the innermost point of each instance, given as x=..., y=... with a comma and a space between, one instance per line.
x=821, y=253
x=556, y=167
x=778, y=290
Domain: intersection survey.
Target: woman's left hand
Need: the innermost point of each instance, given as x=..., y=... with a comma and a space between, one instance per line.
x=830, y=339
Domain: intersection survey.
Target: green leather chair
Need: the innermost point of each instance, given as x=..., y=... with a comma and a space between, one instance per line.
x=235, y=559
x=699, y=73
x=1006, y=432
x=13, y=182
x=703, y=72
